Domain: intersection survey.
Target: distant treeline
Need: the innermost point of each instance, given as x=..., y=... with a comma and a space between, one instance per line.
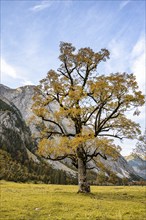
x=20, y=170
x=17, y=167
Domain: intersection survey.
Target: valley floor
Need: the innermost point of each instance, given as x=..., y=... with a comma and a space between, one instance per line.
x=57, y=202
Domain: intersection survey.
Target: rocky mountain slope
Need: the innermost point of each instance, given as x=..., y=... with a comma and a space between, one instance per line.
x=17, y=162
x=14, y=134
x=138, y=164
x=22, y=99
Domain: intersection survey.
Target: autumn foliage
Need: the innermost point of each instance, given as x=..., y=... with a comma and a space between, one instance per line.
x=81, y=112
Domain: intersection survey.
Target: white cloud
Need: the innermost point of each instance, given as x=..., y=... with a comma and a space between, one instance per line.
x=41, y=6
x=118, y=57
x=138, y=47
x=7, y=69
x=27, y=82
x=123, y=4
x=138, y=68
x=132, y=61
x=137, y=62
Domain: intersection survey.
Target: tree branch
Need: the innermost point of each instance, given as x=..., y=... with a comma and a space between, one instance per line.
x=91, y=168
x=84, y=122
x=59, y=70
x=79, y=74
x=51, y=121
x=69, y=73
x=58, y=158
x=110, y=135
x=95, y=154
x=86, y=76
x=104, y=121
x=55, y=159
x=59, y=133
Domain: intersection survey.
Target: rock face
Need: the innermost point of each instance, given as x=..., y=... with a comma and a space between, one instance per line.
x=22, y=99
x=138, y=164
x=121, y=168
x=14, y=134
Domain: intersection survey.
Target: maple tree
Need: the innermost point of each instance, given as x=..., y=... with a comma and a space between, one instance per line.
x=81, y=112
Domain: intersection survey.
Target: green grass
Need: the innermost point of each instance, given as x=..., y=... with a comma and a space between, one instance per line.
x=56, y=202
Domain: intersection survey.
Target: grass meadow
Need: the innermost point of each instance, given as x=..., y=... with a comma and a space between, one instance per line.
x=57, y=202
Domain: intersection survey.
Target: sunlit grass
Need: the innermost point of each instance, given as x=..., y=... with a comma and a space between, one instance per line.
x=54, y=202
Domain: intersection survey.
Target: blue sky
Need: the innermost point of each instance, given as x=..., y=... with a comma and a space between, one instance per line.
x=32, y=30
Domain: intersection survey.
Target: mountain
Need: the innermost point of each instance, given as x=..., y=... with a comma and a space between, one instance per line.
x=138, y=164
x=120, y=167
x=17, y=162
x=14, y=134
x=22, y=99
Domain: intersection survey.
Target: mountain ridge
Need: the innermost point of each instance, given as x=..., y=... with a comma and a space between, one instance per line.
x=138, y=164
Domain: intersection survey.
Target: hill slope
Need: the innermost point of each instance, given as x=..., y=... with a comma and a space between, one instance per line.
x=138, y=164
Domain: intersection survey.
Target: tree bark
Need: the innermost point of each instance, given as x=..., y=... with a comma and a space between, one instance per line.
x=82, y=179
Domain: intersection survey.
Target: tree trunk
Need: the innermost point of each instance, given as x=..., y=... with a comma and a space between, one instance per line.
x=82, y=179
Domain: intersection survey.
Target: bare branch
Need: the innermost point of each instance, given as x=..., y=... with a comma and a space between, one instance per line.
x=91, y=168
x=59, y=133
x=79, y=74
x=110, y=135
x=86, y=76
x=59, y=70
x=51, y=121
x=56, y=158
x=59, y=158
x=104, y=121
x=95, y=154
x=69, y=73
x=84, y=122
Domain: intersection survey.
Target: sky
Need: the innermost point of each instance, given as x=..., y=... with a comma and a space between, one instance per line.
x=31, y=32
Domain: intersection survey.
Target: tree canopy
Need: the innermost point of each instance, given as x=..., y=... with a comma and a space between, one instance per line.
x=81, y=112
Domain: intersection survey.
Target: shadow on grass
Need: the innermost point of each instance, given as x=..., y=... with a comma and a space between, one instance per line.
x=111, y=196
